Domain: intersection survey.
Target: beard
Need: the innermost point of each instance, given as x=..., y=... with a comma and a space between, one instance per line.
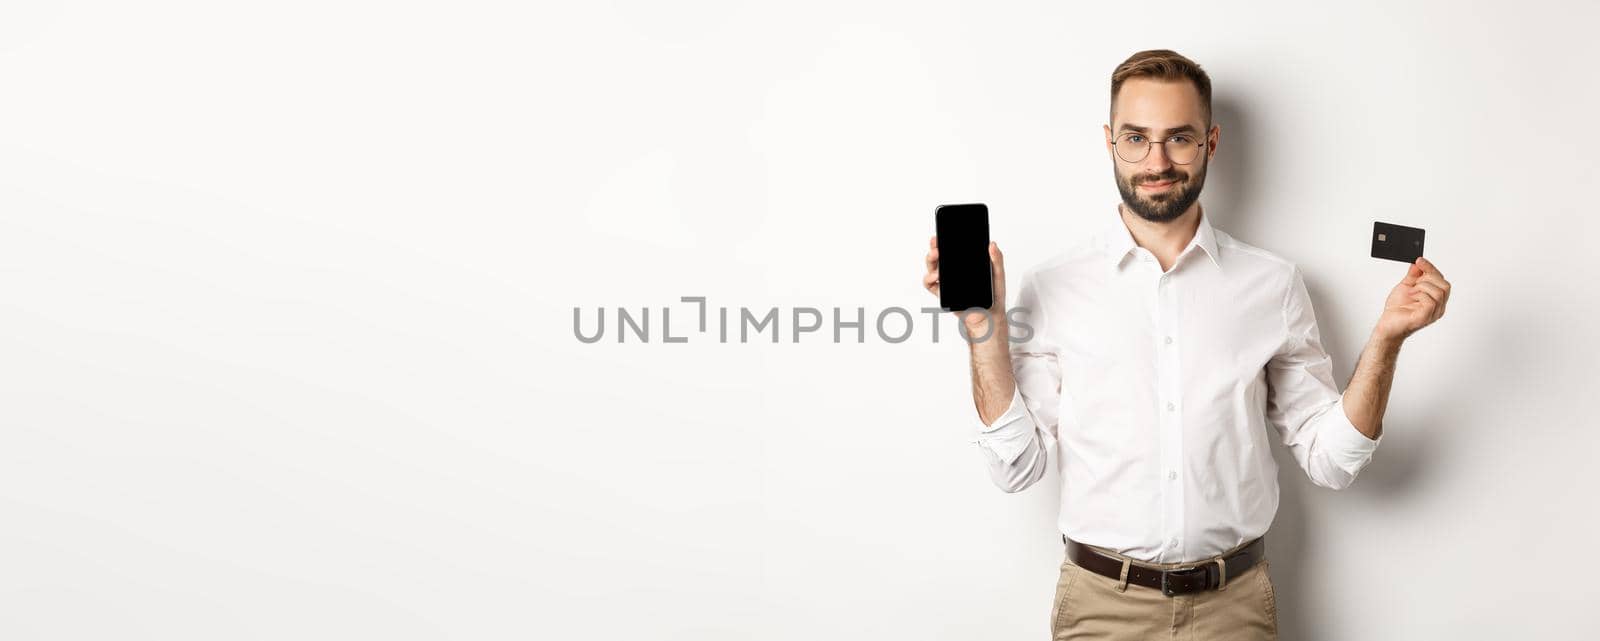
x=1165, y=206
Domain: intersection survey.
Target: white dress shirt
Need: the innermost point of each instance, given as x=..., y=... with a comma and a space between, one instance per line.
x=1153, y=391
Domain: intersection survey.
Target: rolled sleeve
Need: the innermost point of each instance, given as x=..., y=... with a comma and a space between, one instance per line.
x=1347, y=447
x=1009, y=435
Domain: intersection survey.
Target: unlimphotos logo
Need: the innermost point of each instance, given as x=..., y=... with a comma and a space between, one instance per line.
x=891, y=324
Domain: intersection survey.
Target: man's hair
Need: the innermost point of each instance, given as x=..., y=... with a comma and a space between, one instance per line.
x=1162, y=64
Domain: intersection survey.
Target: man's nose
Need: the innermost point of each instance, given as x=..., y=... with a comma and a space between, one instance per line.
x=1156, y=161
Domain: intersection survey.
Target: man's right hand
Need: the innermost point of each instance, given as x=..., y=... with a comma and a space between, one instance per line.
x=976, y=324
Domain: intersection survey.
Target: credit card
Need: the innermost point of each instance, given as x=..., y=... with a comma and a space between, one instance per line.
x=1396, y=242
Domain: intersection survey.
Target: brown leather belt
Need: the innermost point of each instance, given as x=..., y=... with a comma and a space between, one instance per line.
x=1206, y=575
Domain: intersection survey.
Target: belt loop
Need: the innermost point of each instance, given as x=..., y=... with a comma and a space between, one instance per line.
x=1222, y=574
x=1122, y=581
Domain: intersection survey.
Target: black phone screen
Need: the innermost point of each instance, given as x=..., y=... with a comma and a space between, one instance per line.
x=965, y=278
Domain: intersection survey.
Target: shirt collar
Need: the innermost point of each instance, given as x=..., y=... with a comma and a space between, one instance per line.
x=1118, y=241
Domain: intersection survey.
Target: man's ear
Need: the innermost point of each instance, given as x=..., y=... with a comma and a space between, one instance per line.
x=1211, y=142
x=1107, y=128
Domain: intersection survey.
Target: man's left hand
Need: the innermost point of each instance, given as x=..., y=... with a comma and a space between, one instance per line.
x=1415, y=303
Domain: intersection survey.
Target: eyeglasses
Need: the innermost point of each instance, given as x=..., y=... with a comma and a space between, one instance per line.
x=1181, y=149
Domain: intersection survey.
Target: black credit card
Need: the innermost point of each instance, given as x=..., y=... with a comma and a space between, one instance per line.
x=1396, y=242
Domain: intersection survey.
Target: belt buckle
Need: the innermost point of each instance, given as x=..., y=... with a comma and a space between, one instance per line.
x=1166, y=588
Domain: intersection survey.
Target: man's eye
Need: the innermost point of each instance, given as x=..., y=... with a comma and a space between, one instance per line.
x=1182, y=140
x=1135, y=138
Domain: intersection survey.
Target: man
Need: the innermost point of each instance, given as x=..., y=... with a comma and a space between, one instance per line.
x=1160, y=352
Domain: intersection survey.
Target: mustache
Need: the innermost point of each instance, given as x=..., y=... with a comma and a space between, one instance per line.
x=1170, y=175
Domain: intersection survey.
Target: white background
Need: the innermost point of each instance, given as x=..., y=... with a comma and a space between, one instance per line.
x=286, y=292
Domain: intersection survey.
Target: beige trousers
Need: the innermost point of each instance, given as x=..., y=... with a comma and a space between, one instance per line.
x=1091, y=606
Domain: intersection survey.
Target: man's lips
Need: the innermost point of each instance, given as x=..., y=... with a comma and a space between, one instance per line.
x=1157, y=186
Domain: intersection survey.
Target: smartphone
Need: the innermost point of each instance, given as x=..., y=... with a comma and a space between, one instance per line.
x=966, y=277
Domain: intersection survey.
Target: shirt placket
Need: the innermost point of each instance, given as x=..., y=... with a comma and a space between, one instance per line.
x=1170, y=409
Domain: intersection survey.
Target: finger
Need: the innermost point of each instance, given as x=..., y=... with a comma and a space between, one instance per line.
x=1438, y=281
x=998, y=258
x=1429, y=308
x=1433, y=291
x=1412, y=274
x=1426, y=306
x=931, y=260
x=930, y=279
x=1428, y=266
x=1431, y=273
x=1431, y=277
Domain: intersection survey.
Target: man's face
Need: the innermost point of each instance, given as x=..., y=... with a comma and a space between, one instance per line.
x=1156, y=188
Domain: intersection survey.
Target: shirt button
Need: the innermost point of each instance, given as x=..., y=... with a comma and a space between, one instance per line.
x=1170, y=407
x=1169, y=340
x=1172, y=476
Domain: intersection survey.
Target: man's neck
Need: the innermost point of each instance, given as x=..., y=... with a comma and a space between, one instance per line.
x=1165, y=240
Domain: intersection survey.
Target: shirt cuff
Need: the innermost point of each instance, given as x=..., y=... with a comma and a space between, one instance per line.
x=1349, y=448
x=1008, y=435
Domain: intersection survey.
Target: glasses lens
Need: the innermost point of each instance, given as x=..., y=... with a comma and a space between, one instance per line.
x=1182, y=149
x=1132, y=147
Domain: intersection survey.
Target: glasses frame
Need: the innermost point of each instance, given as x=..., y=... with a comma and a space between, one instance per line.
x=1151, y=144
